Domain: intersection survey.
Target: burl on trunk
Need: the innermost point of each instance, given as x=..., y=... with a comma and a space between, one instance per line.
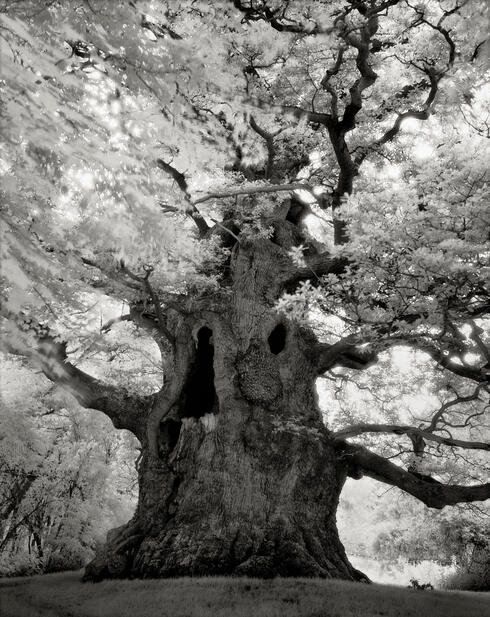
x=236, y=475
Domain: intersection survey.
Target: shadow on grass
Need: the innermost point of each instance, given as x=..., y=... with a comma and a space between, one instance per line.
x=63, y=595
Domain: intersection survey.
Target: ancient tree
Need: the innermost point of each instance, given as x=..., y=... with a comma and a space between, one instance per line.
x=239, y=172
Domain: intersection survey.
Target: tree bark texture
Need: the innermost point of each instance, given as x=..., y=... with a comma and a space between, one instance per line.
x=240, y=479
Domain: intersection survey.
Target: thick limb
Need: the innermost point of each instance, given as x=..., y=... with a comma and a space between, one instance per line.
x=317, y=266
x=433, y=495
x=345, y=352
x=183, y=353
x=411, y=431
x=125, y=410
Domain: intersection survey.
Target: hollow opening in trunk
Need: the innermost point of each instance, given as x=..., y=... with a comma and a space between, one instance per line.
x=277, y=339
x=199, y=392
x=169, y=433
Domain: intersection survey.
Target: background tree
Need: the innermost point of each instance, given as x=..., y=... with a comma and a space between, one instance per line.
x=232, y=172
x=400, y=534
x=65, y=478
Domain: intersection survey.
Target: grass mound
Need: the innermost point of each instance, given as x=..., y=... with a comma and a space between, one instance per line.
x=63, y=595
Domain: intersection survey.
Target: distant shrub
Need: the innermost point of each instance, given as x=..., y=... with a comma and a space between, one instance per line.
x=60, y=562
x=414, y=584
x=474, y=575
x=20, y=564
x=23, y=564
x=467, y=581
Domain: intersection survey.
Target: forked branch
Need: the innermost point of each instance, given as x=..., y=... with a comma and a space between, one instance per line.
x=269, y=142
x=145, y=282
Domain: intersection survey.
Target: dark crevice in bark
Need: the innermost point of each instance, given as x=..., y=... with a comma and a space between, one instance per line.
x=171, y=504
x=297, y=211
x=277, y=339
x=169, y=434
x=286, y=234
x=199, y=392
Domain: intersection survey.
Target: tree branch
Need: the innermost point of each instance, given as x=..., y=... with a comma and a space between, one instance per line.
x=367, y=75
x=144, y=280
x=433, y=494
x=347, y=352
x=269, y=142
x=253, y=190
x=303, y=114
x=181, y=182
x=443, y=356
x=262, y=12
x=439, y=415
x=33, y=340
x=108, y=324
x=363, y=428
x=474, y=373
x=318, y=265
x=327, y=86
x=417, y=114
x=433, y=74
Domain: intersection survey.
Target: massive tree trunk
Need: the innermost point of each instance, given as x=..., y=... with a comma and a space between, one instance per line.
x=238, y=474
x=240, y=478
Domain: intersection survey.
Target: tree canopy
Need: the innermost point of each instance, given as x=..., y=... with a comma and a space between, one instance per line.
x=146, y=143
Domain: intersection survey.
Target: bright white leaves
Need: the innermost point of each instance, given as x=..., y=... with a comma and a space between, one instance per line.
x=73, y=476
x=84, y=162
x=85, y=159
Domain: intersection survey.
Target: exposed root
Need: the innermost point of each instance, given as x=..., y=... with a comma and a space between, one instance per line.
x=113, y=559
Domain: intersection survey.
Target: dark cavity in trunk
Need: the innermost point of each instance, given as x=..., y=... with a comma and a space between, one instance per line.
x=200, y=393
x=277, y=339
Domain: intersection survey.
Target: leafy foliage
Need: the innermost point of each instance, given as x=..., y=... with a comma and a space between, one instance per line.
x=66, y=478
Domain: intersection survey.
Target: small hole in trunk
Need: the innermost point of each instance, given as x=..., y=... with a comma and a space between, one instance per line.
x=277, y=339
x=199, y=392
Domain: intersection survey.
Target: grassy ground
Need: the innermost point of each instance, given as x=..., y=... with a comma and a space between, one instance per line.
x=63, y=595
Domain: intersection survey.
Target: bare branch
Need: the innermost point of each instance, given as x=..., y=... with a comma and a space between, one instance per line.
x=395, y=429
x=108, y=324
x=35, y=341
x=269, y=142
x=417, y=114
x=367, y=75
x=144, y=280
x=433, y=494
x=445, y=356
x=254, y=190
x=434, y=76
x=347, y=352
x=446, y=361
x=438, y=416
x=261, y=12
x=181, y=182
x=327, y=86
